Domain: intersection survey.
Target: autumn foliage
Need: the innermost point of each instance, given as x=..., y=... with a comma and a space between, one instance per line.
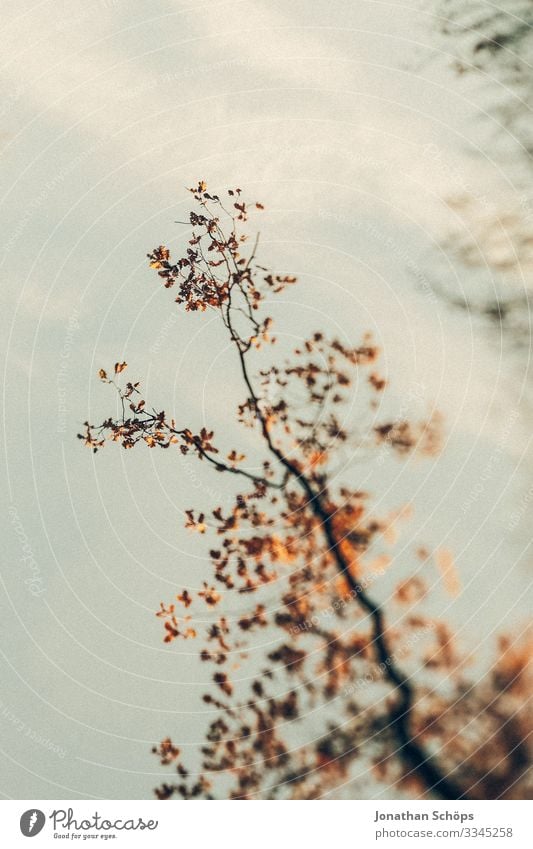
x=334, y=665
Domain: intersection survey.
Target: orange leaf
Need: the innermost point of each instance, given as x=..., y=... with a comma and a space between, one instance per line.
x=448, y=571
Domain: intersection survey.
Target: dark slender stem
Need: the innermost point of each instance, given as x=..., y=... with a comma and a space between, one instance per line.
x=411, y=752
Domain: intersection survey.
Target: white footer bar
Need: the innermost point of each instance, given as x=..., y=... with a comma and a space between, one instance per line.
x=265, y=825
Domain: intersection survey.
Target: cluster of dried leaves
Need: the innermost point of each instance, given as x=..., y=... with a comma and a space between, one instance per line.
x=335, y=662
